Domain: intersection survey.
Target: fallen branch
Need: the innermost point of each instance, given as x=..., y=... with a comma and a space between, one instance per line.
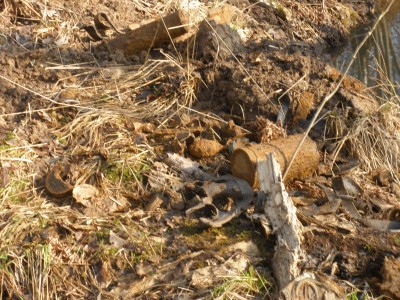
x=281, y=212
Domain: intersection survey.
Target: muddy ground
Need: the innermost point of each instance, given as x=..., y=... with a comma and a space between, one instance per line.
x=67, y=100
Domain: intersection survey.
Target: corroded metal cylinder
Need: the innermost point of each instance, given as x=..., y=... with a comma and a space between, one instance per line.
x=244, y=159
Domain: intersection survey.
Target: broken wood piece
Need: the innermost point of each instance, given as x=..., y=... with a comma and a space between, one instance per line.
x=346, y=191
x=155, y=202
x=161, y=30
x=345, y=187
x=329, y=223
x=381, y=225
x=305, y=164
x=281, y=212
x=327, y=208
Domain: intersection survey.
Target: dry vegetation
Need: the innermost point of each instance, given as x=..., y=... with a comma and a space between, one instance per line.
x=372, y=139
x=98, y=116
x=112, y=119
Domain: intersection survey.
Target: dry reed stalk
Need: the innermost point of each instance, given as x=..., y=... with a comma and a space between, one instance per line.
x=331, y=94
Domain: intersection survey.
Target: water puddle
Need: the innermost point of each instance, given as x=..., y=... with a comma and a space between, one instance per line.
x=378, y=63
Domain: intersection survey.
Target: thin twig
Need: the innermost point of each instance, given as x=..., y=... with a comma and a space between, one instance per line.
x=330, y=95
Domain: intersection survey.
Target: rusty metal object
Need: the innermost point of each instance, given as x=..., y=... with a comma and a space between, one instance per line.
x=201, y=148
x=244, y=159
x=55, y=184
x=225, y=186
x=102, y=22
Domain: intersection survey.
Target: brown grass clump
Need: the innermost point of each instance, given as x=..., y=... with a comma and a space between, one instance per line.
x=17, y=158
x=154, y=90
x=107, y=125
x=49, y=251
x=374, y=139
x=55, y=248
x=246, y=285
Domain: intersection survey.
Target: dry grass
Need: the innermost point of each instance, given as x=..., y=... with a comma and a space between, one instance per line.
x=374, y=139
x=49, y=251
x=17, y=159
x=248, y=285
x=52, y=248
x=27, y=259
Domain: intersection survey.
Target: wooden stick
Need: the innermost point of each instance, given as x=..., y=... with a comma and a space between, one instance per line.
x=152, y=34
x=281, y=212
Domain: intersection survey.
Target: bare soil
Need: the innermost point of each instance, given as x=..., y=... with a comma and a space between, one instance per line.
x=66, y=99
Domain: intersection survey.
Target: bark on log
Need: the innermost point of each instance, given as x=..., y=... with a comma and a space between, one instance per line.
x=281, y=212
x=305, y=164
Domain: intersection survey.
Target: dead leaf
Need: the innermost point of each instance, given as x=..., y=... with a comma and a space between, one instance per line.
x=4, y=174
x=117, y=241
x=85, y=194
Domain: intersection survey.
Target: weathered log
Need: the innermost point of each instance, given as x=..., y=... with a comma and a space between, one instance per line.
x=281, y=212
x=244, y=159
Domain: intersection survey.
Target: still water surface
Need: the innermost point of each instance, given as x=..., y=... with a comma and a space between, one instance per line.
x=379, y=59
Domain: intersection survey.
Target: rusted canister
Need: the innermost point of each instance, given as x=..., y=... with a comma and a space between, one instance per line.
x=244, y=159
